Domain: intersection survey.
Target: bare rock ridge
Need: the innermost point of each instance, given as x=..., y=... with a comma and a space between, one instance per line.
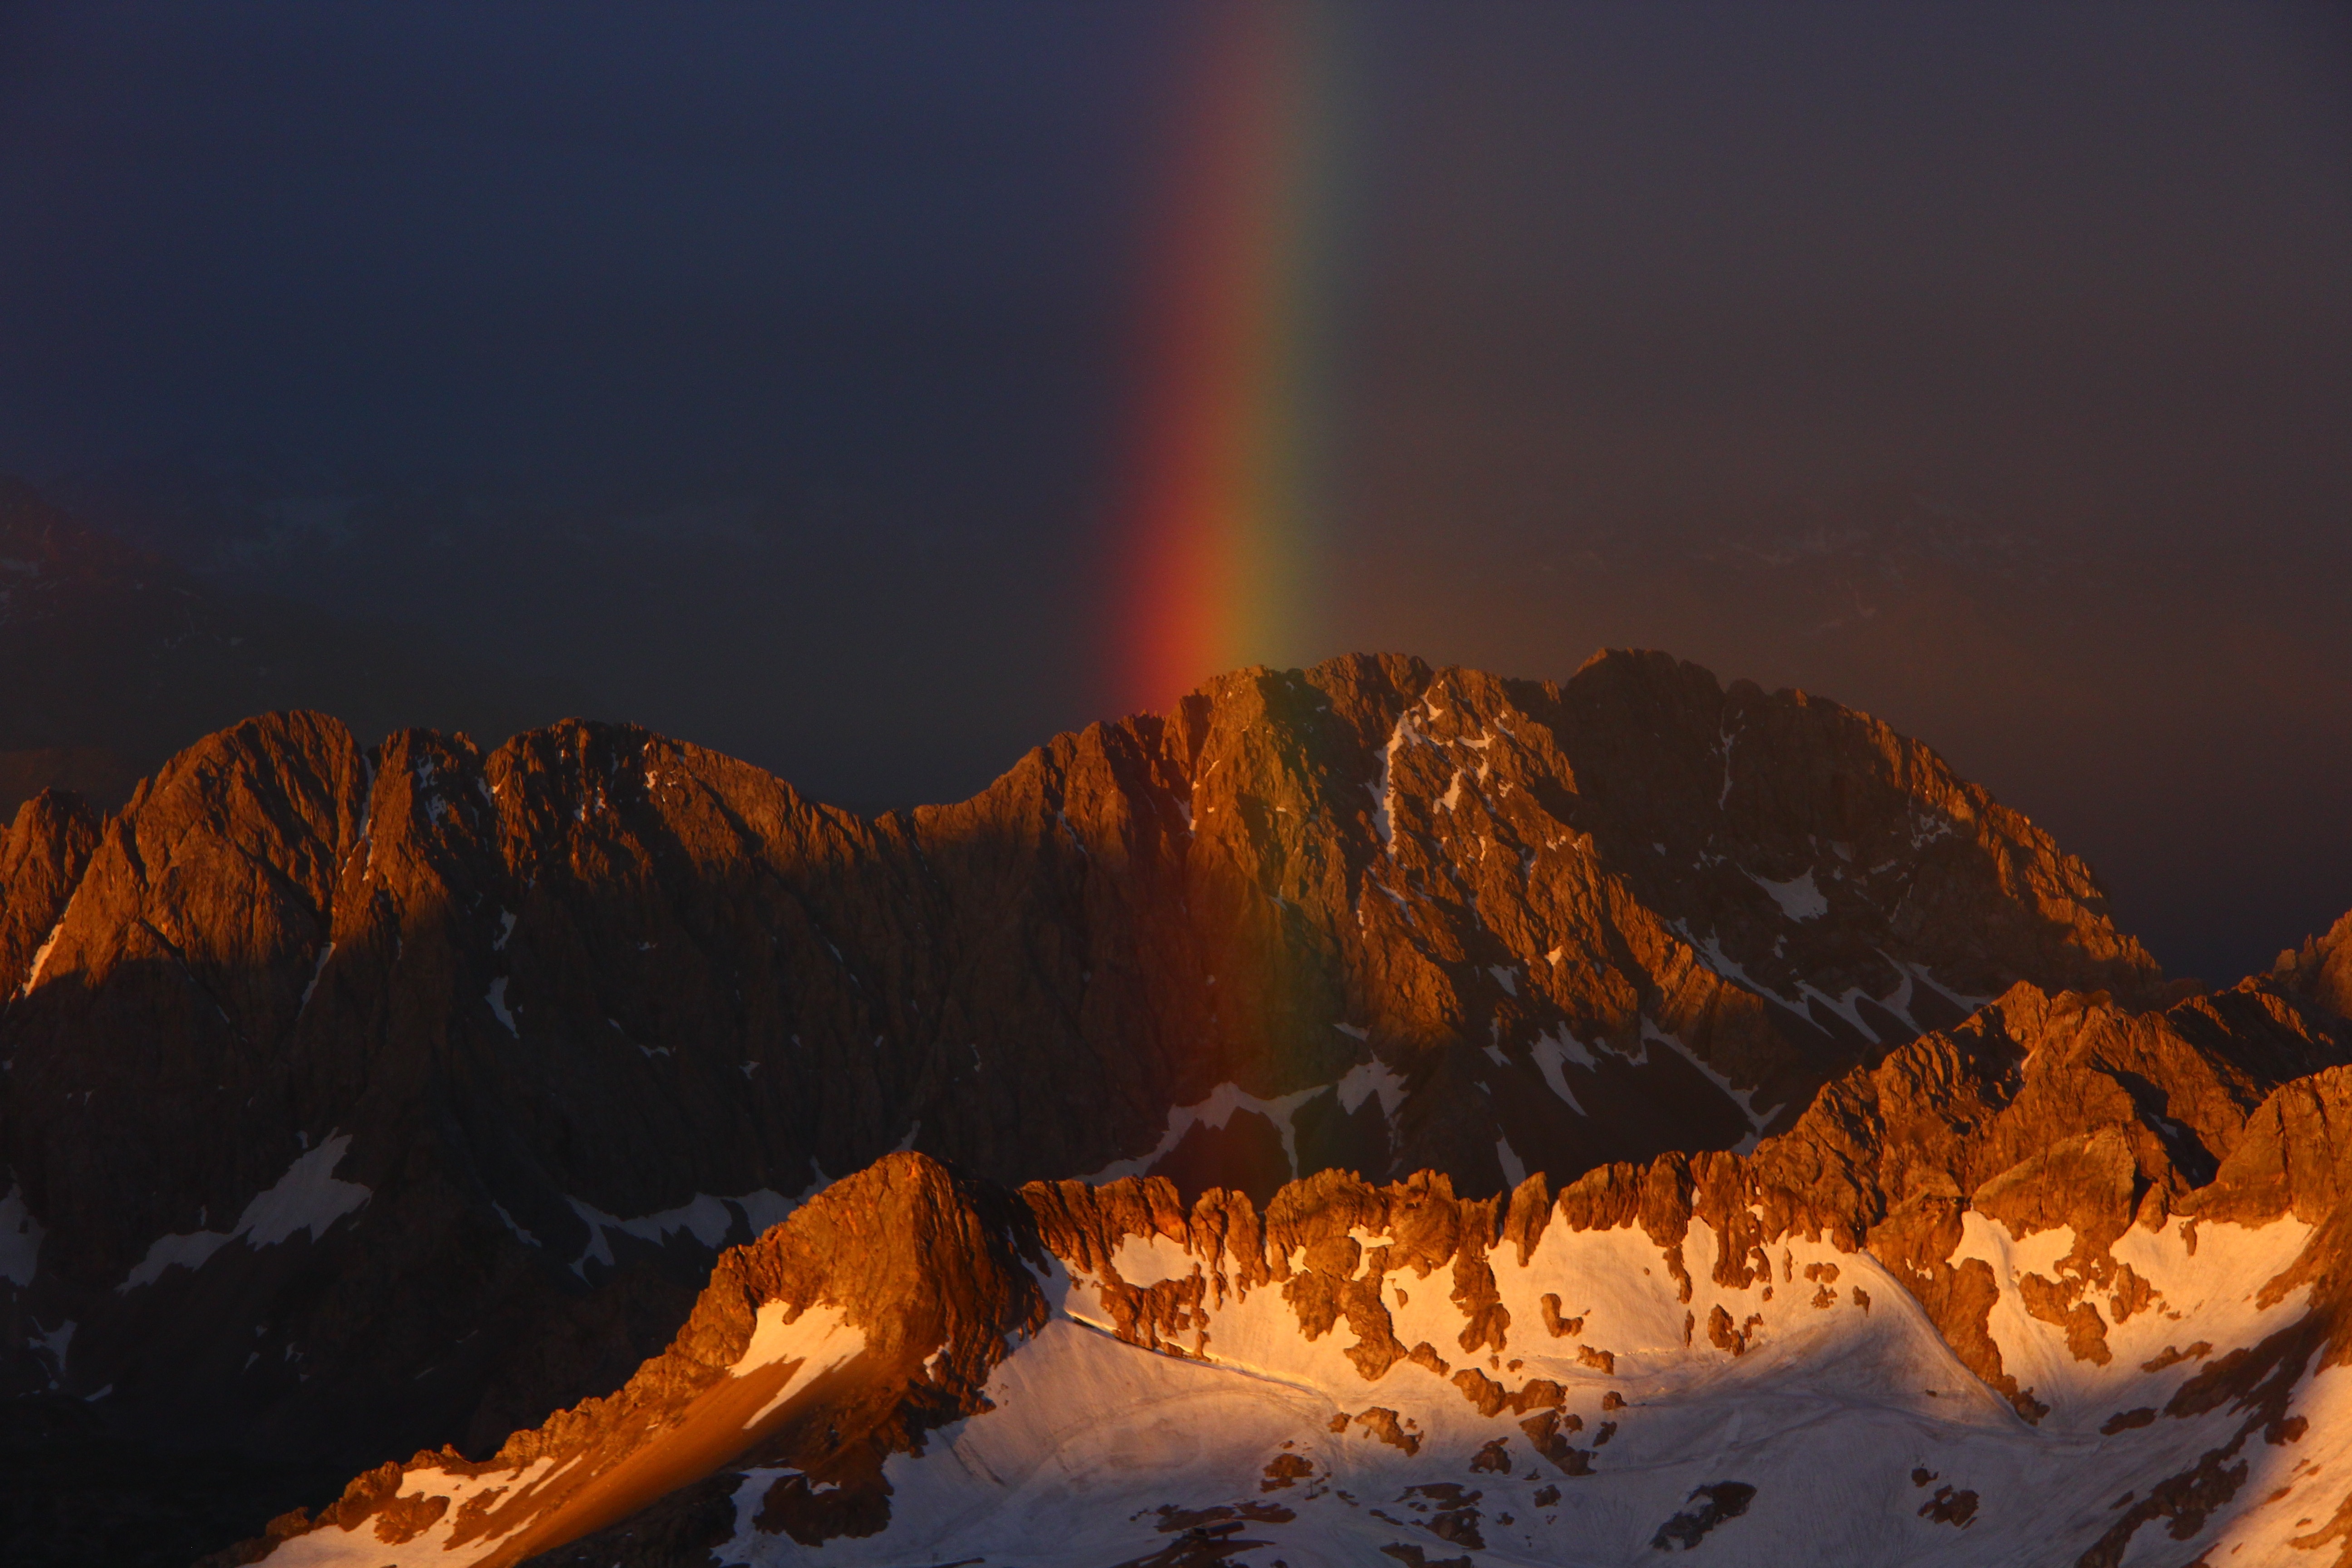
x=2090, y=1267
x=2320, y=971
x=42, y=857
x=359, y=1101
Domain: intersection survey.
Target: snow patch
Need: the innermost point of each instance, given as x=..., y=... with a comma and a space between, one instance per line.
x=706, y=1218
x=307, y=1198
x=496, y=998
x=1384, y=794
x=1845, y=1006
x=1550, y=1051
x=1965, y=1002
x=350, y=1548
x=1215, y=1112
x=1936, y=827
x=1799, y=898
x=20, y=1239
x=508, y=1221
x=1515, y=1169
x=53, y=1344
x=765, y=1209
x=1374, y=1077
x=1743, y=1098
x=820, y=1339
x=1897, y=1002
x=2212, y=1294
x=367, y=816
x=317, y=969
x=1709, y=949
x=41, y=953
x=1147, y=1260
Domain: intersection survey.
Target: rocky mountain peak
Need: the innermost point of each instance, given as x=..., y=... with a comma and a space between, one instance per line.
x=2322, y=968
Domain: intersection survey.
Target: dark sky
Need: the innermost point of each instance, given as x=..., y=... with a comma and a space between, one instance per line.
x=761, y=373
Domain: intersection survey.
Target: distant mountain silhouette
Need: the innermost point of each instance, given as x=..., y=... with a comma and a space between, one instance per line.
x=119, y=657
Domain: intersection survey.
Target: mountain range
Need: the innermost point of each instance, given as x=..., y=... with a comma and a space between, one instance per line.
x=1365, y=1110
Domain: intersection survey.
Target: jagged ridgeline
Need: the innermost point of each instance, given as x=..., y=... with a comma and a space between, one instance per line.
x=2067, y=1284
x=359, y=1101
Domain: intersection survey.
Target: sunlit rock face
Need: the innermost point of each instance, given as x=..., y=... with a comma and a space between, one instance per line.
x=363, y=1099
x=2063, y=1284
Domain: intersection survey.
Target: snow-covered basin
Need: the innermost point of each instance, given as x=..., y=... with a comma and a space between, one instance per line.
x=1844, y=1395
x=1830, y=1416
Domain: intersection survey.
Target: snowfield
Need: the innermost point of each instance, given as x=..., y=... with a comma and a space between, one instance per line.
x=1843, y=1433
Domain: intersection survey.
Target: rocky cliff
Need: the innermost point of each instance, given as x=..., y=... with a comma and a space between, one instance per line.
x=359, y=1101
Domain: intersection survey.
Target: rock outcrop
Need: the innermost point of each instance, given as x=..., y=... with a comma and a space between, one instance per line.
x=2320, y=971
x=373, y=1100
x=42, y=857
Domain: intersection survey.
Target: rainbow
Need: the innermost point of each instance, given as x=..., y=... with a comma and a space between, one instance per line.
x=1222, y=496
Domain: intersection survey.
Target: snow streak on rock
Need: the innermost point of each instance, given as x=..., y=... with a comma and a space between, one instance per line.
x=307, y=1199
